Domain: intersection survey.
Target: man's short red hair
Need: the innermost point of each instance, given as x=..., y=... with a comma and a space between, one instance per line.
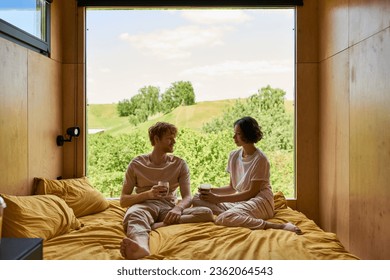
x=161, y=128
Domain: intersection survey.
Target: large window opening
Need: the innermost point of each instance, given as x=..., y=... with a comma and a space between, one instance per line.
x=200, y=69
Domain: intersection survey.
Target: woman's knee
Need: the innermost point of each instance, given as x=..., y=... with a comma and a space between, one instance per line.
x=226, y=219
x=235, y=219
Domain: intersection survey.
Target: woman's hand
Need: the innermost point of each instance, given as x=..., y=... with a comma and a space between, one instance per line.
x=207, y=195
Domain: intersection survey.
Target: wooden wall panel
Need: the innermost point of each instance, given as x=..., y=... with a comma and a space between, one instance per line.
x=370, y=146
x=81, y=121
x=307, y=140
x=30, y=112
x=73, y=152
x=56, y=26
x=333, y=27
x=355, y=157
x=307, y=111
x=72, y=47
x=73, y=33
x=307, y=32
x=44, y=116
x=74, y=96
x=13, y=118
x=334, y=145
x=367, y=17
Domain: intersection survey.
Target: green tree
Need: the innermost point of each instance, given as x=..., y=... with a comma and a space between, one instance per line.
x=109, y=156
x=267, y=107
x=179, y=93
x=142, y=105
x=123, y=108
x=150, y=98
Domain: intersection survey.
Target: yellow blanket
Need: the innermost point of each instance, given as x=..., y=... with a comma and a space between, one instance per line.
x=100, y=237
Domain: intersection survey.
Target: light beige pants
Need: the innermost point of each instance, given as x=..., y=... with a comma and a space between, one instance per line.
x=249, y=214
x=139, y=217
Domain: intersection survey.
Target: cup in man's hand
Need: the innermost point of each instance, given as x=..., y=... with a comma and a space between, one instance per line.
x=164, y=188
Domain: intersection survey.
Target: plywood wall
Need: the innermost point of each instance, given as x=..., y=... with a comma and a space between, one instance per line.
x=306, y=103
x=13, y=118
x=73, y=80
x=30, y=117
x=31, y=111
x=354, y=55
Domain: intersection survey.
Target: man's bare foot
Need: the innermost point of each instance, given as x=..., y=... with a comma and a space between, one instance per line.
x=291, y=227
x=130, y=250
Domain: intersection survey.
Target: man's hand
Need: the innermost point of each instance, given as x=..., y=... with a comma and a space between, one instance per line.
x=158, y=191
x=173, y=216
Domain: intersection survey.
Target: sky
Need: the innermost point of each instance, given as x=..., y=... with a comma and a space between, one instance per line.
x=224, y=53
x=24, y=14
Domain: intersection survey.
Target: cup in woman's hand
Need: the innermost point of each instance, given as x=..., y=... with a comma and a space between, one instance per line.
x=205, y=187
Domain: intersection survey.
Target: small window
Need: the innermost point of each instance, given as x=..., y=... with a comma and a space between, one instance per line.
x=26, y=22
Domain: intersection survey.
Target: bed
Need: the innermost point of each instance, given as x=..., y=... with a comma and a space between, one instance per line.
x=77, y=223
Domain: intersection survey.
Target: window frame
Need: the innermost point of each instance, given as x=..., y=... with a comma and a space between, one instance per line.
x=25, y=39
x=131, y=4
x=193, y=3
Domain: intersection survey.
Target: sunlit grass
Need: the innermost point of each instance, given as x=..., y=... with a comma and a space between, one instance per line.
x=105, y=116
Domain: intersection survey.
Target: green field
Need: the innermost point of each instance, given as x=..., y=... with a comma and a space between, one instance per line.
x=105, y=116
x=110, y=152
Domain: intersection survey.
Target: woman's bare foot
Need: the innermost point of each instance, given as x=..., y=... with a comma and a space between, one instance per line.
x=158, y=225
x=130, y=250
x=291, y=227
x=287, y=226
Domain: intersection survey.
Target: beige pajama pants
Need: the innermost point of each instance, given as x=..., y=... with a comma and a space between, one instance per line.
x=139, y=217
x=249, y=214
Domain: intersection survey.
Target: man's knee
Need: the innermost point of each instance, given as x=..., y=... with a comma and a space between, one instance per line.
x=204, y=212
x=198, y=214
x=138, y=220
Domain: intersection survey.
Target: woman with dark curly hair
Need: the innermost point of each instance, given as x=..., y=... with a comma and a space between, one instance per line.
x=248, y=200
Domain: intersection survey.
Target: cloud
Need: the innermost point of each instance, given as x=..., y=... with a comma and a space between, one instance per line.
x=235, y=67
x=216, y=16
x=105, y=70
x=178, y=42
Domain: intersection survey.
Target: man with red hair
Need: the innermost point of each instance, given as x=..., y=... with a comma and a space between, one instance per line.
x=153, y=205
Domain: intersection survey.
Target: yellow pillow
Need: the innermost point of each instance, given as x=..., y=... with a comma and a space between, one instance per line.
x=78, y=194
x=280, y=201
x=44, y=216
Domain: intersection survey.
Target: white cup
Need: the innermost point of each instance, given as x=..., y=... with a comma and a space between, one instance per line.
x=165, y=184
x=205, y=187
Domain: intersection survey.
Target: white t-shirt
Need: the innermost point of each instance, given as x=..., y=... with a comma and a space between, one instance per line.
x=245, y=170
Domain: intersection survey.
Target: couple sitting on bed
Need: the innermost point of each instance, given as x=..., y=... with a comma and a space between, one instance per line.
x=247, y=202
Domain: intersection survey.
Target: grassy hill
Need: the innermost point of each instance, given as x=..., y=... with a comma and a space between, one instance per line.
x=105, y=116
